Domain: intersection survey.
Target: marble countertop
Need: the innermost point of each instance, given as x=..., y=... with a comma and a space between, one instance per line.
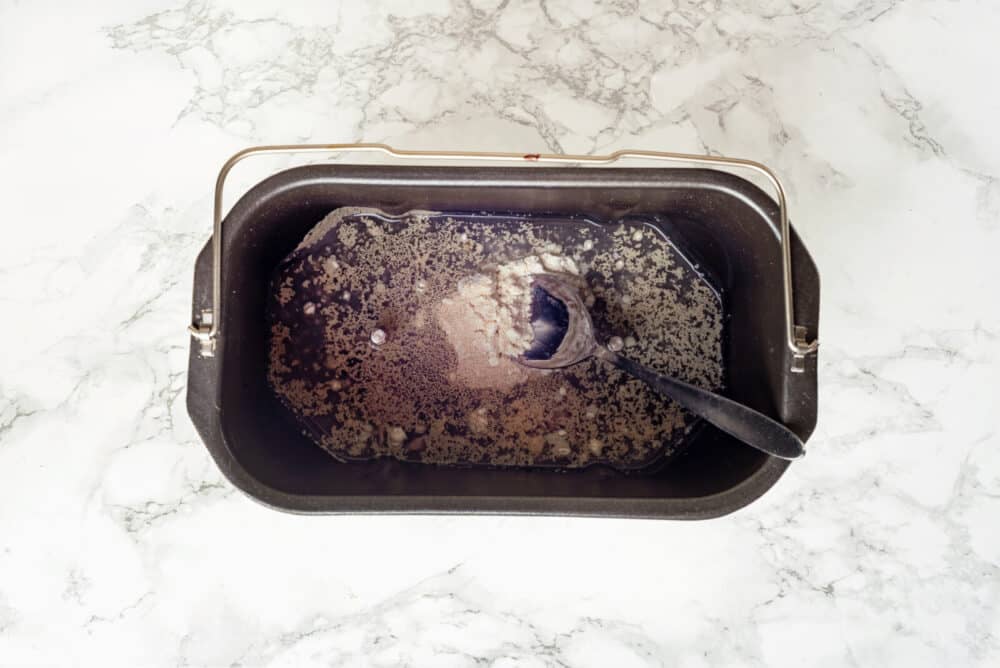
x=121, y=544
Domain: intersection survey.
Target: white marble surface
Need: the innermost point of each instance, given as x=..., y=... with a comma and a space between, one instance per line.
x=122, y=545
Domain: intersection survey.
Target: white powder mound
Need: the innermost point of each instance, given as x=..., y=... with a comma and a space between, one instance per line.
x=503, y=302
x=488, y=319
x=496, y=315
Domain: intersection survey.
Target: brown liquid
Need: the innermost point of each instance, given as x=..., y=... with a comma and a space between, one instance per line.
x=410, y=398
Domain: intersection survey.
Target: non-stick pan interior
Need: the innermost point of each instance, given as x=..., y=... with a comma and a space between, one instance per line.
x=722, y=222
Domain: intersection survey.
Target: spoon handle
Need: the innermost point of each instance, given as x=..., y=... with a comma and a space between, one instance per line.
x=746, y=424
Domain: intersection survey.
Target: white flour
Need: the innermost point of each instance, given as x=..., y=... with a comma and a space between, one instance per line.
x=488, y=319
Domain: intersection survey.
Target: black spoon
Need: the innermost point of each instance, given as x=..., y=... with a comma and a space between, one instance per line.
x=564, y=335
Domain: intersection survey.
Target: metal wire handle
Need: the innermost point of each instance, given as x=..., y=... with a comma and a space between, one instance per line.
x=207, y=324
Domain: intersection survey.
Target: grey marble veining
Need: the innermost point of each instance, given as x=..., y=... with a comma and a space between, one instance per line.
x=121, y=543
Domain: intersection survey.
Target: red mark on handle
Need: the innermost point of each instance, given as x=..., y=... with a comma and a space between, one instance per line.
x=532, y=156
